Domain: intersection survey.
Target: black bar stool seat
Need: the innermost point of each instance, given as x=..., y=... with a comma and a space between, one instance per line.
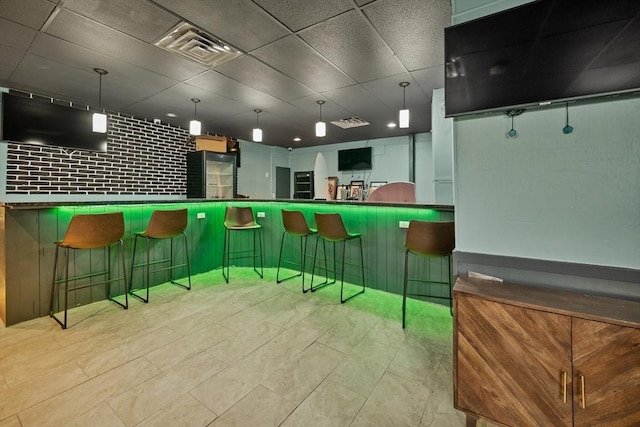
x=164, y=224
x=296, y=226
x=92, y=231
x=432, y=240
x=240, y=219
x=331, y=229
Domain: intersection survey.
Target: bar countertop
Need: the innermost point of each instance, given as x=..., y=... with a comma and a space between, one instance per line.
x=47, y=205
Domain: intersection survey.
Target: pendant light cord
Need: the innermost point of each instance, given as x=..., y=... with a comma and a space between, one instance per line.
x=404, y=97
x=100, y=93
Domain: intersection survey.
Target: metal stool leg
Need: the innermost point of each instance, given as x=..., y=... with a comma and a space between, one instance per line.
x=404, y=288
x=225, y=259
x=186, y=254
x=342, y=300
x=259, y=231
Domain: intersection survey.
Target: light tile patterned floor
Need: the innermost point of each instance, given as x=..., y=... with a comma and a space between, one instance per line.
x=248, y=353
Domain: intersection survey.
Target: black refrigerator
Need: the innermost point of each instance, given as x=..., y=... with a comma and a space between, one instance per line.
x=211, y=175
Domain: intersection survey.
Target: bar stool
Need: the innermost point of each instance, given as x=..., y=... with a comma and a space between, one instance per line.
x=295, y=225
x=93, y=231
x=431, y=240
x=331, y=229
x=164, y=224
x=240, y=219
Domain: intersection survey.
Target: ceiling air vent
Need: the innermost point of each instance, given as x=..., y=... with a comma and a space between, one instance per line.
x=186, y=40
x=350, y=122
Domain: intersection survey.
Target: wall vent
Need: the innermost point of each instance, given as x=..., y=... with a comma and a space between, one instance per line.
x=190, y=42
x=350, y=122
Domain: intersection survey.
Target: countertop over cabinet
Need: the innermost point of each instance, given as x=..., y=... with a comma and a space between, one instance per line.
x=526, y=356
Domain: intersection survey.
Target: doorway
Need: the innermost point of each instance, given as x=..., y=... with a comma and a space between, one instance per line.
x=283, y=183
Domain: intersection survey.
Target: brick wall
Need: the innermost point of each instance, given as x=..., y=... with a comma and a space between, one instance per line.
x=142, y=158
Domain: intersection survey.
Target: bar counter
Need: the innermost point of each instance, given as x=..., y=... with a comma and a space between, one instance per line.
x=29, y=230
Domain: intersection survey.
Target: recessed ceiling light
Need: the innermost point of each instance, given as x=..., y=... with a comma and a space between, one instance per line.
x=172, y=115
x=391, y=125
x=296, y=139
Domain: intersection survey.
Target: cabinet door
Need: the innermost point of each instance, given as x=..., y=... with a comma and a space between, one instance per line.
x=512, y=363
x=607, y=357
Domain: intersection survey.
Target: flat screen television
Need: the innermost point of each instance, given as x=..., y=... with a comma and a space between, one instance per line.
x=542, y=52
x=34, y=121
x=354, y=159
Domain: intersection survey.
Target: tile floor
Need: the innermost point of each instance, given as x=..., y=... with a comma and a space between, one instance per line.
x=248, y=353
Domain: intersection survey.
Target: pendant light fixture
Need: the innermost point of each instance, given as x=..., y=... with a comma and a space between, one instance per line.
x=257, y=132
x=403, y=117
x=321, y=127
x=100, y=119
x=195, y=127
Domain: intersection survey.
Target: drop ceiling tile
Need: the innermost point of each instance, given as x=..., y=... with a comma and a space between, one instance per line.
x=389, y=91
x=212, y=110
x=429, y=78
x=423, y=45
x=15, y=35
x=10, y=59
x=296, y=59
x=252, y=72
x=241, y=23
x=357, y=100
x=137, y=18
x=85, y=32
x=330, y=110
x=301, y=14
x=213, y=81
x=32, y=13
x=353, y=46
x=137, y=82
x=45, y=77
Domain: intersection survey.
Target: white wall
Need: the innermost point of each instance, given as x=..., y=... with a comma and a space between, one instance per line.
x=547, y=195
x=257, y=172
x=442, y=131
x=390, y=158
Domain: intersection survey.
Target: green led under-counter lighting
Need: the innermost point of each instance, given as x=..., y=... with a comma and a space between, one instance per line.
x=382, y=236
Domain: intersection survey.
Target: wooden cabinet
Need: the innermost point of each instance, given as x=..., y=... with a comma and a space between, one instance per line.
x=606, y=368
x=526, y=356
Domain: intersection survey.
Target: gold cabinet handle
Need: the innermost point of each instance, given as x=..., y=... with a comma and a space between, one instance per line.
x=564, y=387
x=583, y=402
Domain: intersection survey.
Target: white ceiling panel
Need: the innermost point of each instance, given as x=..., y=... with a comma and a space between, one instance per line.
x=351, y=43
x=137, y=18
x=256, y=74
x=296, y=59
x=85, y=32
x=31, y=13
x=240, y=23
x=421, y=48
x=297, y=15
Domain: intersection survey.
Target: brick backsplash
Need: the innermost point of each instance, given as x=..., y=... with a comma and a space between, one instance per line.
x=142, y=158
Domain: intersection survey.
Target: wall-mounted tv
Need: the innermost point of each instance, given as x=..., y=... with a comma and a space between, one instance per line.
x=354, y=159
x=542, y=52
x=34, y=121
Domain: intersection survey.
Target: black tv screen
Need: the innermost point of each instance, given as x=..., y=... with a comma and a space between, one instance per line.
x=354, y=159
x=542, y=52
x=34, y=121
